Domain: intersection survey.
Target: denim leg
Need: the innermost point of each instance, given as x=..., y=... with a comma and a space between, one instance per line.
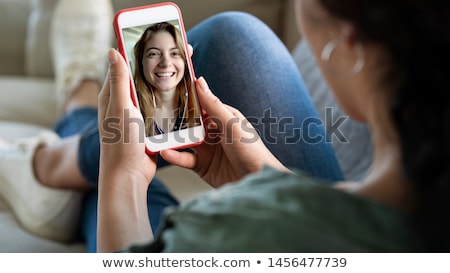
x=249, y=68
x=76, y=122
x=158, y=198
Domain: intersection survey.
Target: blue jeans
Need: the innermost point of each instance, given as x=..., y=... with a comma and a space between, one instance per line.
x=249, y=68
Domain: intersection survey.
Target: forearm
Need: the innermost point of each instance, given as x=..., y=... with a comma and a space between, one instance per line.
x=122, y=212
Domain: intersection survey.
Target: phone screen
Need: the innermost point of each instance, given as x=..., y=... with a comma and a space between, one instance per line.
x=163, y=81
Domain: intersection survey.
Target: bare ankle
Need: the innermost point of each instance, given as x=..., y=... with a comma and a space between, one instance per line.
x=56, y=166
x=39, y=166
x=85, y=95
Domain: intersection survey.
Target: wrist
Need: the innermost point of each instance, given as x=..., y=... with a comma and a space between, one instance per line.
x=122, y=211
x=122, y=182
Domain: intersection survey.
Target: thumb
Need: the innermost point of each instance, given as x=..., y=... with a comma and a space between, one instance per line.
x=215, y=109
x=119, y=81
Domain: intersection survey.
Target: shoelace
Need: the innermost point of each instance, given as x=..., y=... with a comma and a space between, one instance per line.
x=12, y=150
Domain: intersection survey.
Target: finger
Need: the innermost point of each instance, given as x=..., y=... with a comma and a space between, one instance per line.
x=182, y=159
x=210, y=124
x=190, y=50
x=235, y=112
x=217, y=111
x=119, y=81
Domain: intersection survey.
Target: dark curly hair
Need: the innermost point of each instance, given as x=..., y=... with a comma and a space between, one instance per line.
x=415, y=35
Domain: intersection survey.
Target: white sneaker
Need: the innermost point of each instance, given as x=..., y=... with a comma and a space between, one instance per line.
x=50, y=213
x=80, y=35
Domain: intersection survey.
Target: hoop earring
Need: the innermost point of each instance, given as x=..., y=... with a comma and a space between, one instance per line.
x=328, y=51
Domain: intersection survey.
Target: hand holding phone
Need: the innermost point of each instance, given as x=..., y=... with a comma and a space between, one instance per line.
x=152, y=40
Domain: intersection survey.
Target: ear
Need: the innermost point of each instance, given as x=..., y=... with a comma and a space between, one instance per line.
x=349, y=34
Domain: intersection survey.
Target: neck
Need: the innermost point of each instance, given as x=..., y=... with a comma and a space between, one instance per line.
x=166, y=98
x=165, y=116
x=385, y=182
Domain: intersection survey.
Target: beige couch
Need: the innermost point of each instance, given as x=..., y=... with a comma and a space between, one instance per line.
x=27, y=99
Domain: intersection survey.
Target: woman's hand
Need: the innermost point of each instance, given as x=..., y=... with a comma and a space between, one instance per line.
x=121, y=125
x=125, y=169
x=232, y=148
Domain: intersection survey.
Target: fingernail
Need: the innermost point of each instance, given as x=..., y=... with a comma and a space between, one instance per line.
x=203, y=84
x=112, y=56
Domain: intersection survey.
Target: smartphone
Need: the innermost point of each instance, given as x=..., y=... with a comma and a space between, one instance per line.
x=152, y=39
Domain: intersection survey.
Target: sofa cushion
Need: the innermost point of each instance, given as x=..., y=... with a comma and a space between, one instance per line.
x=37, y=52
x=28, y=100
x=14, y=15
x=19, y=240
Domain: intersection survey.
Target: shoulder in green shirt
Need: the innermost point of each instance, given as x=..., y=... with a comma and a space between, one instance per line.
x=280, y=212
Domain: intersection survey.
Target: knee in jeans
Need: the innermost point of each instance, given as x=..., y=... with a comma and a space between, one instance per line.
x=233, y=24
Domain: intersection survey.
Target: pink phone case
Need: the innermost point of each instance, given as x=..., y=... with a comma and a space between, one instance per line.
x=121, y=49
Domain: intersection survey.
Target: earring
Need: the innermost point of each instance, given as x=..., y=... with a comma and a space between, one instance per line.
x=328, y=51
x=185, y=86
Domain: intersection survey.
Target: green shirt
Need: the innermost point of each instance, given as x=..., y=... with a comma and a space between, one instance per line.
x=280, y=212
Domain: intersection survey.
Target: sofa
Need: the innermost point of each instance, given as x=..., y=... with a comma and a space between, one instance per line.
x=28, y=101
